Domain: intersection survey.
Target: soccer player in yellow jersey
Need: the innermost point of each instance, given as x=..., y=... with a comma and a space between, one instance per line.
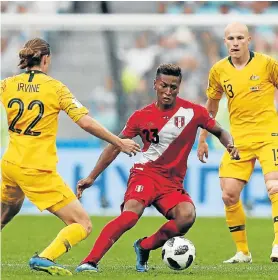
x=248, y=79
x=33, y=101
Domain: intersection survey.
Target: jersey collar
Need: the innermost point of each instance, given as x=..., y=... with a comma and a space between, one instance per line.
x=34, y=72
x=168, y=110
x=251, y=57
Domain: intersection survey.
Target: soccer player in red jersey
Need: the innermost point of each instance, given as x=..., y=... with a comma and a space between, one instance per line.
x=168, y=129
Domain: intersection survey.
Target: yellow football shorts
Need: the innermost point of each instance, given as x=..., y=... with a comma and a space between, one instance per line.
x=265, y=152
x=45, y=189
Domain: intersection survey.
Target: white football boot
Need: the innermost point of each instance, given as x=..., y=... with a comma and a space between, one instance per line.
x=274, y=254
x=239, y=257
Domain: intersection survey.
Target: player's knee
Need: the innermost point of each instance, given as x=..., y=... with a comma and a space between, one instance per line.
x=185, y=222
x=5, y=219
x=229, y=198
x=8, y=212
x=89, y=227
x=87, y=224
x=272, y=186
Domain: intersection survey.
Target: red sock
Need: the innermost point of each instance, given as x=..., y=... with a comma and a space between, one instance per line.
x=110, y=234
x=158, y=239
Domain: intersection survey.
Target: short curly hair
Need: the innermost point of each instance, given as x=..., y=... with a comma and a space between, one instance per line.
x=169, y=69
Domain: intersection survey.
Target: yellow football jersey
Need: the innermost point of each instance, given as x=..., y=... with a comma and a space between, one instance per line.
x=250, y=94
x=32, y=101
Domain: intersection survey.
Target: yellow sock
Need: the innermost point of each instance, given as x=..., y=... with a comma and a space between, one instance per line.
x=66, y=238
x=236, y=221
x=274, y=203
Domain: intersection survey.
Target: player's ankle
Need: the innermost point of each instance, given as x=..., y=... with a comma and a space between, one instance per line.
x=92, y=263
x=245, y=252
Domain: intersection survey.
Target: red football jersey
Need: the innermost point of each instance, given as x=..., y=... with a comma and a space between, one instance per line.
x=168, y=136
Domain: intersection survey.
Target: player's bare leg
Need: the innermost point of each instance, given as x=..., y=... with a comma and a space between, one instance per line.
x=78, y=228
x=132, y=211
x=271, y=181
x=9, y=211
x=235, y=217
x=12, y=200
x=182, y=217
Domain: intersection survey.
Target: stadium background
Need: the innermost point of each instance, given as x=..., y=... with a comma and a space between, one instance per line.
x=111, y=72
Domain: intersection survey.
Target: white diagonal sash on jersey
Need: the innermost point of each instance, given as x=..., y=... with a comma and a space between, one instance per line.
x=169, y=132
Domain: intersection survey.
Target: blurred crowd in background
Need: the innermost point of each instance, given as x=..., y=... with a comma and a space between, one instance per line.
x=194, y=49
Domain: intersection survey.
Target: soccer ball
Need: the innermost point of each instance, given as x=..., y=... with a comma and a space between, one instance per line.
x=178, y=253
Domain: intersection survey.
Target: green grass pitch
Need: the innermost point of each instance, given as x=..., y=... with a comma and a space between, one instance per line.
x=28, y=234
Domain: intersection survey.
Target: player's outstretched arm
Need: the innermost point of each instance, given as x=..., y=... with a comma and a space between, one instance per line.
x=226, y=139
x=202, y=150
x=212, y=106
x=108, y=155
x=90, y=125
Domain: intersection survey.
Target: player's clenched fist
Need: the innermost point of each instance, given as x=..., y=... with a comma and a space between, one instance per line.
x=129, y=147
x=233, y=151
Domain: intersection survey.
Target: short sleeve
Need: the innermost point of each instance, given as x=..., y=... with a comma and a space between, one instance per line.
x=214, y=89
x=272, y=68
x=131, y=128
x=206, y=119
x=68, y=103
